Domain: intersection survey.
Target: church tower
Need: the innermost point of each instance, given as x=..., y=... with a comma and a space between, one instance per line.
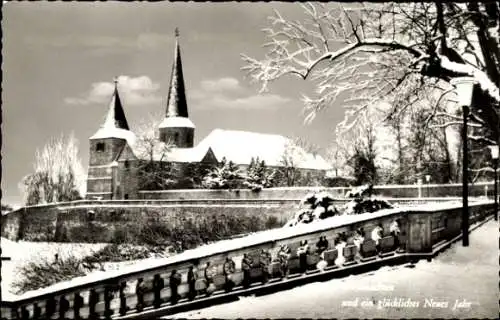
x=105, y=146
x=177, y=128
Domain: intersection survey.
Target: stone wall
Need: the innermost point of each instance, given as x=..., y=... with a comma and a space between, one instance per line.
x=67, y=222
x=265, y=194
x=30, y=223
x=112, y=146
x=114, y=222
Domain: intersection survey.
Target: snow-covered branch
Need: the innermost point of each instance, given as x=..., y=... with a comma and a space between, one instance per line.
x=368, y=54
x=480, y=76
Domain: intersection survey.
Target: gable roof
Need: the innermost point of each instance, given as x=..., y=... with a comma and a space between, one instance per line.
x=241, y=146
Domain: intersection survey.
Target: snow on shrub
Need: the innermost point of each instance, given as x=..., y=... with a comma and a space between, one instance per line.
x=320, y=205
x=363, y=201
x=317, y=206
x=358, y=206
x=46, y=272
x=360, y=192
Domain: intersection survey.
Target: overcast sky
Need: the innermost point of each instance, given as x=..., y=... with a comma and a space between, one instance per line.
x=59, y=60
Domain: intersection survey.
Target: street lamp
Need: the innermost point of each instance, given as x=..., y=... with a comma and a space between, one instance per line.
x=427, y=179
x=464, y=87
x=494, y=157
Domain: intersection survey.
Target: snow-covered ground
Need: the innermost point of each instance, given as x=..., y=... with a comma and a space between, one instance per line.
x=24, y=252
x=468, y=275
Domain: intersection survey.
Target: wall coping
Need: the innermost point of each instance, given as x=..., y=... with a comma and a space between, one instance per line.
x=251, y=240
x=166, y=201
x=319, y=188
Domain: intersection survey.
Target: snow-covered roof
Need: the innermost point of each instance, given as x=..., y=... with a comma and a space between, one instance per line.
x=113, y=132
x=115, y=124
x=186, y=154
x=176, y=122
x=162, y=152
x=241, y=146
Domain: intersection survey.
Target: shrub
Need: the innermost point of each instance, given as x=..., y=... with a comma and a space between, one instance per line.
x=358, y=206
x=121, y=234
x=152, y=233
x=272, y=222
x=87, y=232
x=117, y=253
x=44, y=273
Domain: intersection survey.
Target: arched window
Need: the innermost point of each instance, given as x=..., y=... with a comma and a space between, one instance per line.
x=126, y=164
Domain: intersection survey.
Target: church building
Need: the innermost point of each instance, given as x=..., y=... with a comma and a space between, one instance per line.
x=115, y=151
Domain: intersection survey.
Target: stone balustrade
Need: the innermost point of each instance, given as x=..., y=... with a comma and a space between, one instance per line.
x=235, y=266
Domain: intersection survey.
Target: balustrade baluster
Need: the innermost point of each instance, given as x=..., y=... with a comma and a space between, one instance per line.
x=139, y=291
x=25, y=314
x=50, y=308
x=37, y=311
x=123, y=298
x=108, y=296
x=77, y=305
x=93, y=300
x=158, y=285
x=63, y=307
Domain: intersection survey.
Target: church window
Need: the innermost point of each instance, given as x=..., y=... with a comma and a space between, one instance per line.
x=126, y=164
x=100, y=147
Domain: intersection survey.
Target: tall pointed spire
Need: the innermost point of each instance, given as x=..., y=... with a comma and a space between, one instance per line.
x=116, y=116
x=176, y=100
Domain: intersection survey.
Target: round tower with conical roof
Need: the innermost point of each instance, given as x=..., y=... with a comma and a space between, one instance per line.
x=176, y=128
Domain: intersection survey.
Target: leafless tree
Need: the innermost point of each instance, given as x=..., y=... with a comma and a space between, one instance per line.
x=367, y=140
x=58, y=173
x=289, y=173
x=364, y=54
x=155, y=172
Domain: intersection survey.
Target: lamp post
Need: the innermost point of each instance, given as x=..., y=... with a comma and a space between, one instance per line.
x=427, y=179
x=463, y=88
x=494, y=157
